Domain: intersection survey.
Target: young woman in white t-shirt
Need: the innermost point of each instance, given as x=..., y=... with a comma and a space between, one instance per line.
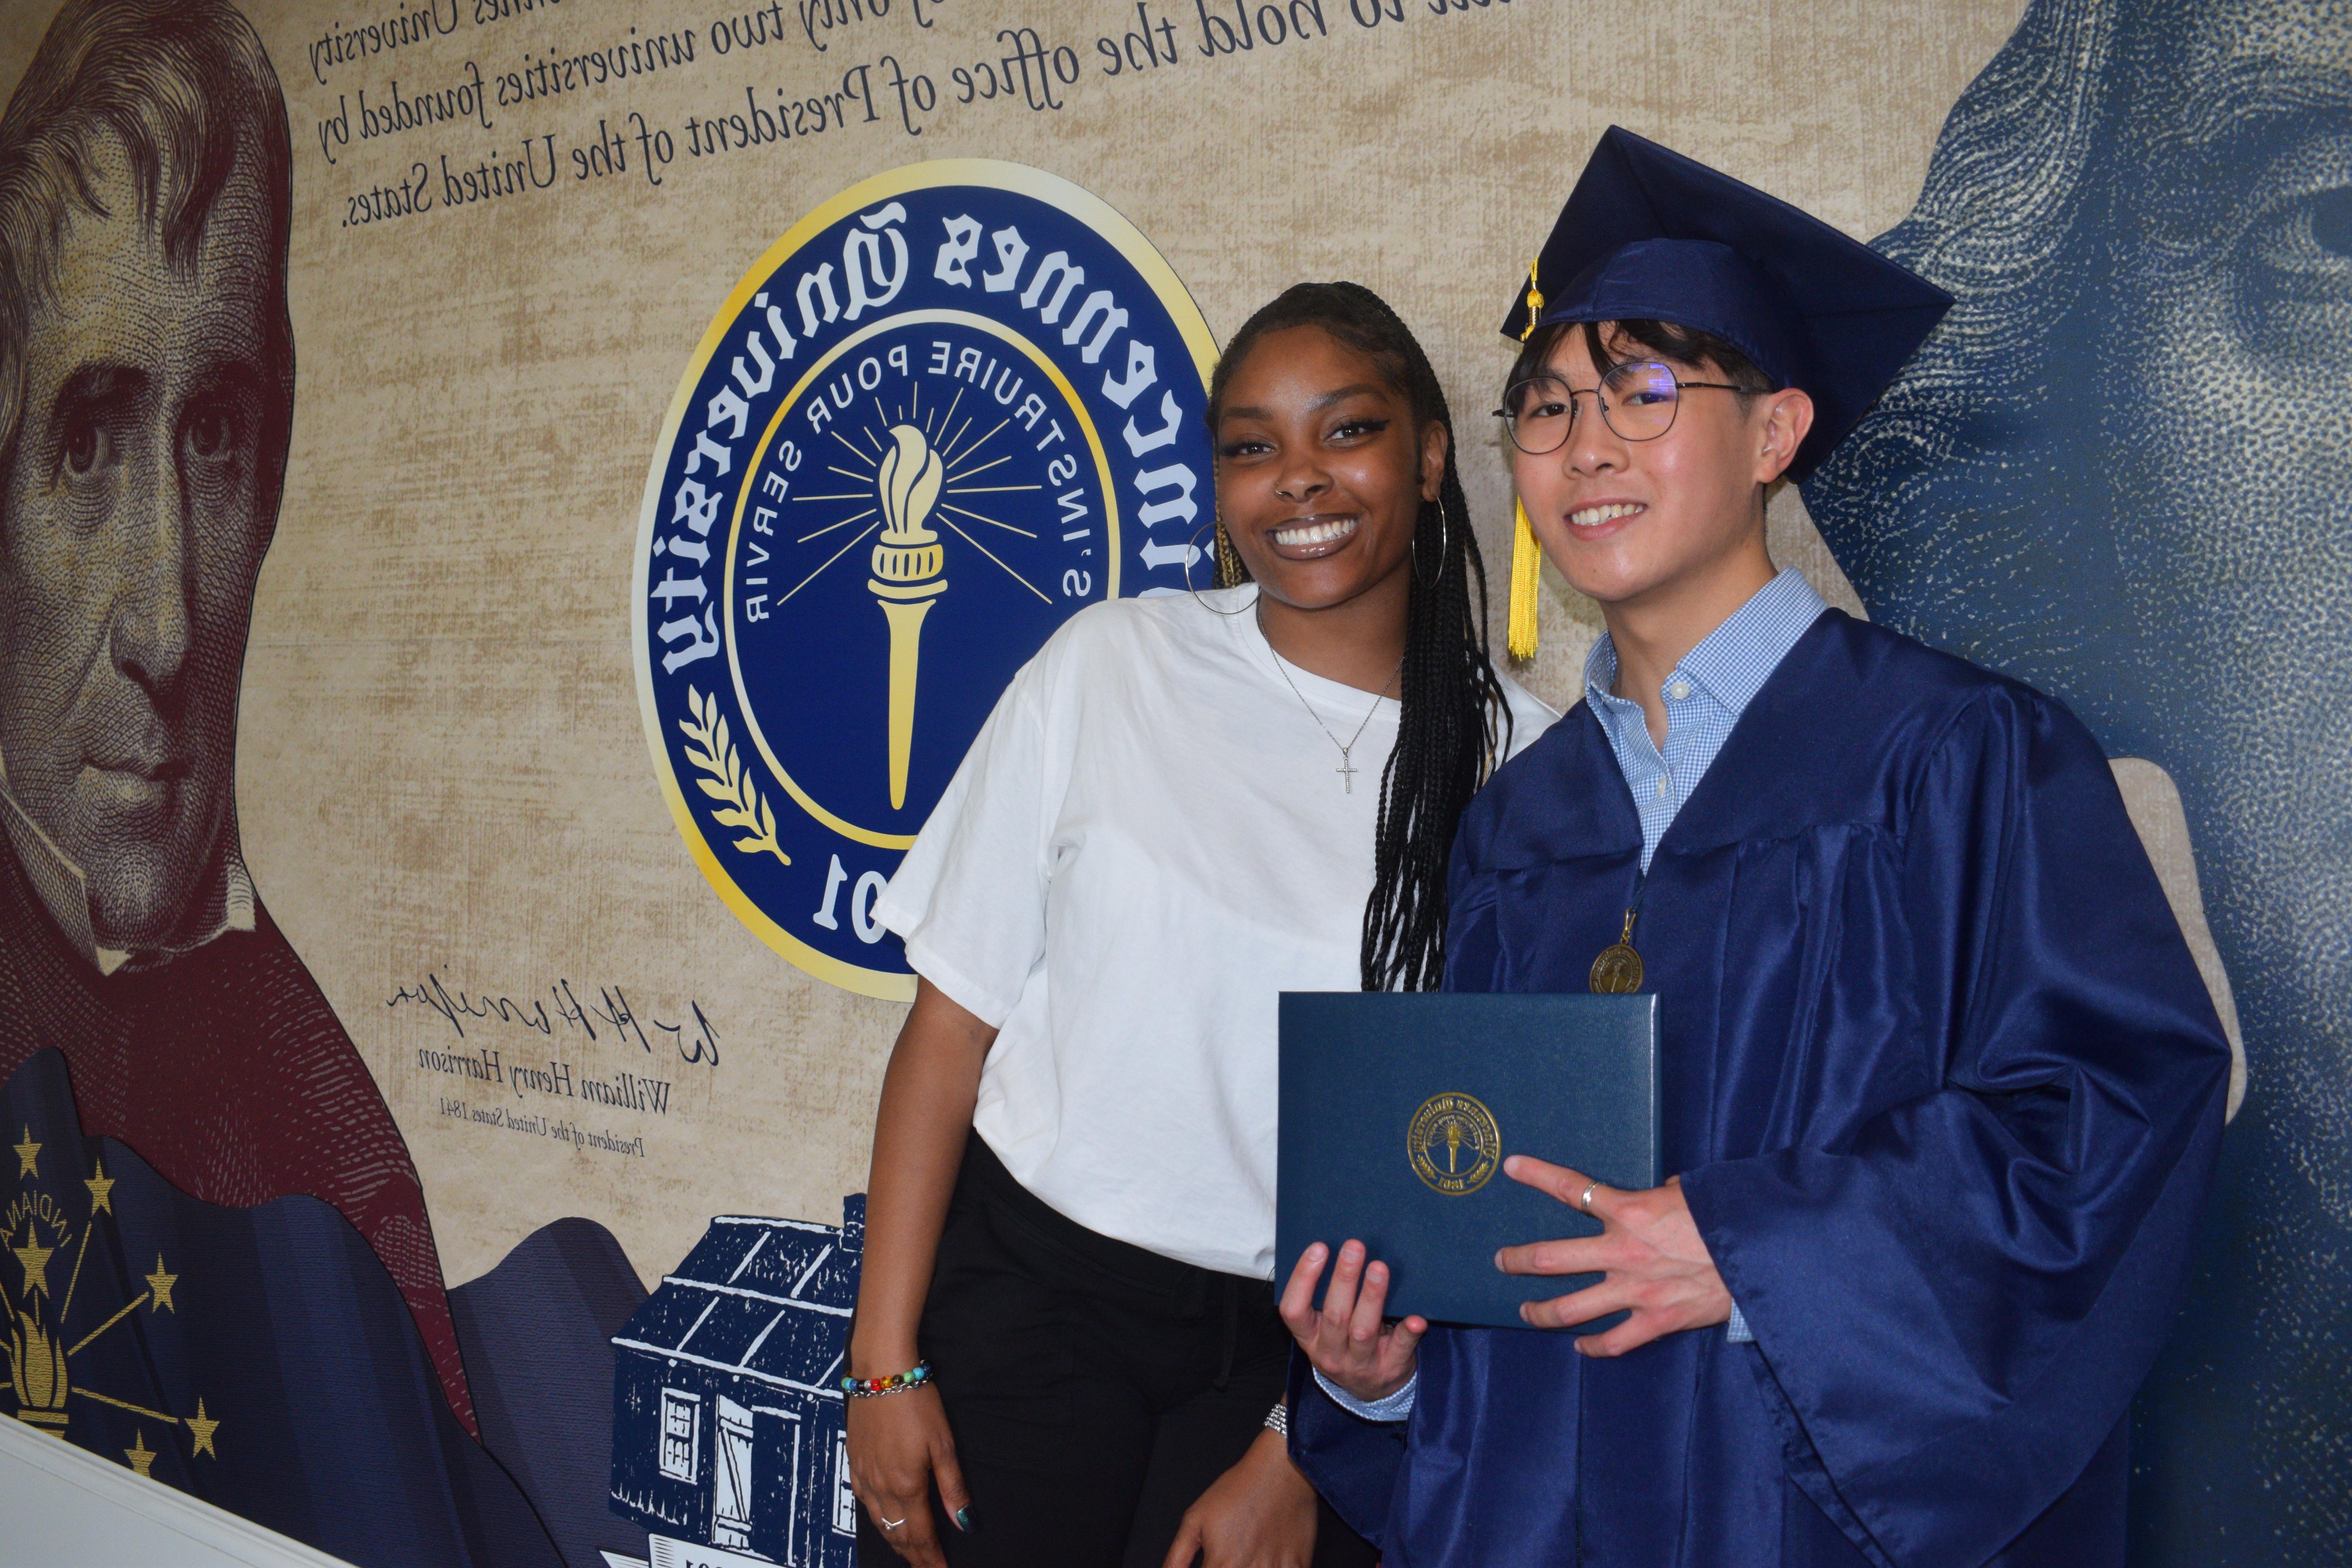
x=1181, y=807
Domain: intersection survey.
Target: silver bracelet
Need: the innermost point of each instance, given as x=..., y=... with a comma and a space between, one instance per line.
x=1278, y=1419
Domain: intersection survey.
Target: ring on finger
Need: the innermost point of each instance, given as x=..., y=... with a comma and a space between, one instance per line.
x=889, y=1523
x=1585, y=1202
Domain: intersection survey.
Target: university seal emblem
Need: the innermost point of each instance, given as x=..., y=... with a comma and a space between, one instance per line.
x=953, y=406
x=1454, y=1144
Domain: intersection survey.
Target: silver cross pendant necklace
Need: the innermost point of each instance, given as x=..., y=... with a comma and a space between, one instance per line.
x=1347, y=770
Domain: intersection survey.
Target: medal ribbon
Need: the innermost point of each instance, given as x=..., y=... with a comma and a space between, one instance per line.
x=1617, y=972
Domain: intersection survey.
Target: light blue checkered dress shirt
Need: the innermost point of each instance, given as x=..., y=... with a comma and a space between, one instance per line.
x=1705, y=695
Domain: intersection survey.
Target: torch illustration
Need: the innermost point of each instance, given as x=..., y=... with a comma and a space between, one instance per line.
x=908, y=567
x=36, y=1358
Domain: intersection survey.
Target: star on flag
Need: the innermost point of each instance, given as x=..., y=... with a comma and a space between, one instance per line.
x=35, y=1260
x=202, y=1428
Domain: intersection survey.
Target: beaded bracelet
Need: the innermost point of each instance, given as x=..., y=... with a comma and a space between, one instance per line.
x=874, y=1388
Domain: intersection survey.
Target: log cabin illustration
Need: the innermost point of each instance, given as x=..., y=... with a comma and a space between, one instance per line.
x=728, y=1439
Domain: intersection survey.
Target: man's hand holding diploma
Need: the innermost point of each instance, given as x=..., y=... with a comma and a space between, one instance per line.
x=1655, y=1263
x=1655, y=1266
x=1347, y=1341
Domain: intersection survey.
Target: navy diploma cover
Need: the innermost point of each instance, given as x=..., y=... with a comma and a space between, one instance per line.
x=1398, y=1110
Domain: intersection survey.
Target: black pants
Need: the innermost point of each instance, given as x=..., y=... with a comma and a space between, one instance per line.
x=1095, y=1389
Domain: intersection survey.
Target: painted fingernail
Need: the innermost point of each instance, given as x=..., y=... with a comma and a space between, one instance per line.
x=963, y=1519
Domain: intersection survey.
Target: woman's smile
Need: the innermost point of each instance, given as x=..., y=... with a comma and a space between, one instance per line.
x=1313, y=537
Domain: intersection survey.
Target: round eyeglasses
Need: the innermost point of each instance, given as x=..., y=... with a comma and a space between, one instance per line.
x=1637, y=398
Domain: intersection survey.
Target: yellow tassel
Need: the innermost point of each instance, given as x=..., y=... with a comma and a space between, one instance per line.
x=1526, y=573
x=1526, y=560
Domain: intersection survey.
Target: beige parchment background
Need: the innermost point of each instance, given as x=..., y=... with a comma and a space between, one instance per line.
x=442, y=770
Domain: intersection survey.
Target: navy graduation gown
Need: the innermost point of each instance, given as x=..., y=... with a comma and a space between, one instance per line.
x=1945, y=1090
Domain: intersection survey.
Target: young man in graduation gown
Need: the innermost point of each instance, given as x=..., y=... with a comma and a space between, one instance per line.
x=1938, y=1075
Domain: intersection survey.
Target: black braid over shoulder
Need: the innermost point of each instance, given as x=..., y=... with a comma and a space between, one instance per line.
x=1455, y=722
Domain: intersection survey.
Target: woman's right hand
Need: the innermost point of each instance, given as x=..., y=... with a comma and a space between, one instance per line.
x=899, y=1445
x=1347, y=1341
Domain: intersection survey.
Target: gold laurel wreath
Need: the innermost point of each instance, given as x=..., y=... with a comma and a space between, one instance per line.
x=727, y=782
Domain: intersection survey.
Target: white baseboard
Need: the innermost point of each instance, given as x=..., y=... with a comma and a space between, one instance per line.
x=63, y=1507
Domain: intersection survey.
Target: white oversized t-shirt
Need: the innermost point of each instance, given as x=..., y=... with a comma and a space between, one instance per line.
x=1148, y=841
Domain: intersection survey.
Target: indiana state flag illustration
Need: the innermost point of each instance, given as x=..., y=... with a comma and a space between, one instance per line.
x=261, y=1358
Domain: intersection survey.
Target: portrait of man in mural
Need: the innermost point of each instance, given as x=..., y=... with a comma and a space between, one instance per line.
x=146, y=403
x=2123, y=471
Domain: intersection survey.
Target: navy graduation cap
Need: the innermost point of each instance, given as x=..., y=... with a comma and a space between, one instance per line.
x=1650, y=235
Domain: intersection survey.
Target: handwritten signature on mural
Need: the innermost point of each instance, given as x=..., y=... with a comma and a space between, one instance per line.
x=696, y=1040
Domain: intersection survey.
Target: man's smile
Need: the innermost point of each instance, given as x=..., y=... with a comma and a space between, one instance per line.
x=1588, y=518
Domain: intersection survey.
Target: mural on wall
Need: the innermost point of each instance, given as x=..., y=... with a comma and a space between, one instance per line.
x=501, y=225
x=2122, y=471
x=1028, y=370
x=145, y=182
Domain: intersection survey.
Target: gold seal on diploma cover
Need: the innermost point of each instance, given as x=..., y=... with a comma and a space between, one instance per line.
x=1454, y=1144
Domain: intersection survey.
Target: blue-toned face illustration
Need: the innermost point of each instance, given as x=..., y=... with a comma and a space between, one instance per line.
x=2123, y=470
x=2231, y=484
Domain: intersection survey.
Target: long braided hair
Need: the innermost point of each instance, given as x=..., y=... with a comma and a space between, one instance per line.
x=1455, y=722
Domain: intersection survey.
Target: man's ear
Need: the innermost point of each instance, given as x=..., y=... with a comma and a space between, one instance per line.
x=1788, y=419
x=1434, y=446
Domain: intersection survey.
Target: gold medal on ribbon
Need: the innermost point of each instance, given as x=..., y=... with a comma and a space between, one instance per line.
x=1618, y=971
